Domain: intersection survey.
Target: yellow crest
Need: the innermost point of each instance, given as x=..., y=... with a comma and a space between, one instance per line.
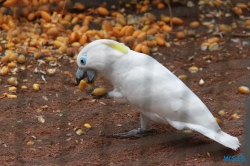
x=117, y=46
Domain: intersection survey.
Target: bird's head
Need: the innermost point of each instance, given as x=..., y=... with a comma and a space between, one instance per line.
x=98, y=56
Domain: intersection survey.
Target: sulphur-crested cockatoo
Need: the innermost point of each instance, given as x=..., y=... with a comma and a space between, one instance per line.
x=150, y=88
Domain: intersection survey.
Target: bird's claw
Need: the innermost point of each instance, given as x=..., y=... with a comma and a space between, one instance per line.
x=134, y=133
x=151, y=131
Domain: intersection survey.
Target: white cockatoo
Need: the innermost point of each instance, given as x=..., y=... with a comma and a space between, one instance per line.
x=150, y=88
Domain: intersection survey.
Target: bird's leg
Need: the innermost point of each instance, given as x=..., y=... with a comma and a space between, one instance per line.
x=140, y=132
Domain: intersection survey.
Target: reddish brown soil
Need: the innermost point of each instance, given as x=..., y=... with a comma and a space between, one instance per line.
x=55, y=140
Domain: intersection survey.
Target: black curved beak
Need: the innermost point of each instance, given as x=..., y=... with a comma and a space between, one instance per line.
x=82, y=73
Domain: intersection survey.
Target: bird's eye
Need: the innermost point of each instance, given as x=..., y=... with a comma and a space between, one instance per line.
x=83, y=60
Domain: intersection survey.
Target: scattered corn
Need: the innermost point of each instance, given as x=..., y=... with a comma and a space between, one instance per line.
x=82, y=85
x=99, y=91
x=87, y=125
x=36, y=87
x=243, y=90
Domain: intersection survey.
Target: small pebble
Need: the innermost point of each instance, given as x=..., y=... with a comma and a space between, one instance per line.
x=201, y=82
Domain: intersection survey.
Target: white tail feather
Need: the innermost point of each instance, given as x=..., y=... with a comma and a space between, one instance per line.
x=219, y=136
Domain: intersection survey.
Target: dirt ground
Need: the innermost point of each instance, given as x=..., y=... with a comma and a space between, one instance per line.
x=66, y=109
